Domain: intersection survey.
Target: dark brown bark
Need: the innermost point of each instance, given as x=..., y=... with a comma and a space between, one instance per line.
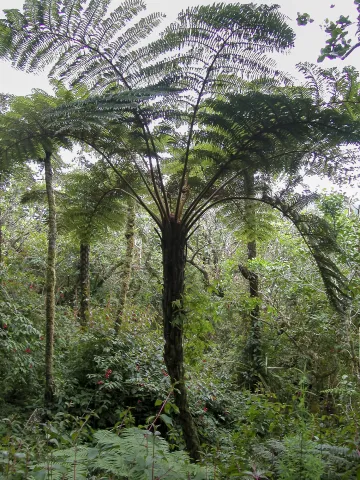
x=84, y=312
x=174, y=260
x=127, y=263
x=253, y=352
x=50, y=284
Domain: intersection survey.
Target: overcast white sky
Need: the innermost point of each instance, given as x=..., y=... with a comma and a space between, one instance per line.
x=308, y=42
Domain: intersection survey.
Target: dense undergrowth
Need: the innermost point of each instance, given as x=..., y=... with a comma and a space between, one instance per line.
x=176, y=290
x=114, y=416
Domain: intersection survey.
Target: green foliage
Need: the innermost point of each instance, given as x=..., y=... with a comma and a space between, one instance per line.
x=135, y=455
x=186, y=123
x=303, y=19
x=338, y=44
x=89, y=204
x=110, y=372
x=297, y=457
x=21, y=340
x=299, y=460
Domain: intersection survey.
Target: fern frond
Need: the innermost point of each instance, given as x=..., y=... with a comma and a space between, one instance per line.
x=321, y=241
x=73, y=34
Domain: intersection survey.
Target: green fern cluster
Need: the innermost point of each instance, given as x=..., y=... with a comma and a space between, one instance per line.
x=297, y=457
x=134, y=455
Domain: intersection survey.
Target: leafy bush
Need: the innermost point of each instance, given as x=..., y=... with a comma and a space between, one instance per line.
x=112, y=372
x=21, y=354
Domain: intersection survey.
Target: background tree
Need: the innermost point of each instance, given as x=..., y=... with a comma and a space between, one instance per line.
x=4, y=106
x=127, y=265
x=23, y=135
x=89, y=207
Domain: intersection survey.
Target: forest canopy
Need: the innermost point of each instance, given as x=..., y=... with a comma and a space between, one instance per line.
x=176, y=302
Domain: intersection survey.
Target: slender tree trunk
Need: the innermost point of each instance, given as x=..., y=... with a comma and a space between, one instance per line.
x=174, y=260
x=1, y=239
x=127, y=264
x=1, y=226
x=253, y=353
x=50, y=284
x=84, y=312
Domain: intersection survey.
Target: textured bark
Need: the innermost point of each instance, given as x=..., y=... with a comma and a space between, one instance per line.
x=174, y=260
x=84, y=312
x=253, y=350
x=1, y=226
x=1, y=239
x=127, y=263
x=50, y=284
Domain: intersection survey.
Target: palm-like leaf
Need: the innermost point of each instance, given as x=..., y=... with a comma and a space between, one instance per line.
x=79, y=38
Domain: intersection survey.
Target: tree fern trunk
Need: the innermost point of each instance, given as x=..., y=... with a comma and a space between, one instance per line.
x=84, y=312
x=253, y=350
x=174, y=259
x=1, y=226
x=1, y=239
x=127, y=264
x=253, y=354
x=50, y=283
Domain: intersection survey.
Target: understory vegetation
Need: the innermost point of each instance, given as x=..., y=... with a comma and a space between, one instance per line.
x=114, y=413
x=175, y=301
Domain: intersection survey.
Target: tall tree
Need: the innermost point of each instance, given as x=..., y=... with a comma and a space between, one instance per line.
x=50, y=281
x=90, y=203
x=127, y=263
x=4, y=106
x=196, y=76
x=23, y=136
x=253, y=354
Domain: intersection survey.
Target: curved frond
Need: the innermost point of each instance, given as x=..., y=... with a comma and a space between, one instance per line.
x=320, y=238
x=81, y=41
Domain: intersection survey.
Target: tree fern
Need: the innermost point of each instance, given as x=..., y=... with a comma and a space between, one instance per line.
x=206, y=58
x=320, y=238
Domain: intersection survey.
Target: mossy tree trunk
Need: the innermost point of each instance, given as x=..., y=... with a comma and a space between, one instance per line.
x=1, y=238
x=84, y=280
x=174, y=260
x=50, y=283
x=127, y=263
x=1, y=223
x=253, y=352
